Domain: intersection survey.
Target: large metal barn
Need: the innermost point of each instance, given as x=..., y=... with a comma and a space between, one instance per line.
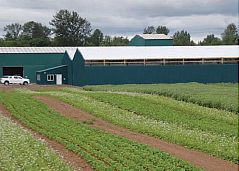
x=144, y=65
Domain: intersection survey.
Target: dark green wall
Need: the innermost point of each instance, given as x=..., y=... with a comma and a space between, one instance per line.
x=56, y=70
x=67, y=61
x=159, y=42
x=78, y=67
x=30, y=62
x=139, y=41
x=160, y=74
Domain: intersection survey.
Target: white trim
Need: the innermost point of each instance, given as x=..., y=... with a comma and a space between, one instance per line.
x=50, y=75
x=38, y=77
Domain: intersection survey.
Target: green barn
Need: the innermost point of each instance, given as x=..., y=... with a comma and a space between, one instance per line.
x=25, y=61
x=121, y=65
x=145, y=65
x=151, y=40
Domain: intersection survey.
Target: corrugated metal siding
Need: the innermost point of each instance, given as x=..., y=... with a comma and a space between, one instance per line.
x=155, y=42
x=53, y=71
x=30, y=62
x=137, y=41
x=160, y=74
x=98, y=75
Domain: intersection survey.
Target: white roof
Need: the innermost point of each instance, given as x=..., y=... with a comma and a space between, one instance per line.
x=135, y=52
x=154, y=36
x=35, y=49
x=162, y=52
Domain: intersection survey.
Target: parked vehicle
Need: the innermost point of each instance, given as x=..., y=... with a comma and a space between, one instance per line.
x=6, y=80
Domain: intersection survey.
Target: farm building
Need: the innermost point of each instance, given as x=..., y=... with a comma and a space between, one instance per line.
x=122, y=65
x=144, y=65
x=25, y=61
x=151, y=40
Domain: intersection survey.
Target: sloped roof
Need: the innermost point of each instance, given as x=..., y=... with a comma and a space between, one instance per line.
x=154, y=36
x=48, y=69
x=163, y=52
x=134, y=52
x=35, y=49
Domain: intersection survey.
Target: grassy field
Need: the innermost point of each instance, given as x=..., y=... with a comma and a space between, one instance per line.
x=19, y=150
x=103, y=150
x=221, y=95
x=211, y=131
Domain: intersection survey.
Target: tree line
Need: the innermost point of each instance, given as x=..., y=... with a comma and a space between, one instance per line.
x=183, y=38
x=69, y=29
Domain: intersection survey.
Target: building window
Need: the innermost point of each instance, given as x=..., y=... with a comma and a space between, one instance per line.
x=50, y=77
x=38, y=77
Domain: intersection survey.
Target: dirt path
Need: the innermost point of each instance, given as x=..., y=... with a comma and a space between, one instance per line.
x=197, y=158
x=70, y=157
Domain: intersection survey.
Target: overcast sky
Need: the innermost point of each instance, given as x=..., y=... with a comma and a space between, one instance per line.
x=129, y=17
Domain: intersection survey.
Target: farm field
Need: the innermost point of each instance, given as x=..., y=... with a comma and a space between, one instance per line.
x=103, y=150
x=220, y=95
x=208, y=130
x=155, y=116
x=19, y=150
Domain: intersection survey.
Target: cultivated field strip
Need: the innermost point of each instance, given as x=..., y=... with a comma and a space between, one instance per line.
x=216, y=144
x=158, y=110
x=19, y=150
x=103, y=150
x=221, y=95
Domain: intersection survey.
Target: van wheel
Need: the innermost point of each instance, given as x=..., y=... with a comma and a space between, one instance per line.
x=6, y=83
x=25, y=83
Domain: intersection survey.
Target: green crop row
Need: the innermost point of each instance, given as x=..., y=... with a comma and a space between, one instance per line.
x=19, y=150
x=221, y=96
x=103, y=150
x=219, y=145
x=158, y=110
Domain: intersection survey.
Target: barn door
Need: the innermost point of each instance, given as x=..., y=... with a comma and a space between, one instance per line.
x=18, y=71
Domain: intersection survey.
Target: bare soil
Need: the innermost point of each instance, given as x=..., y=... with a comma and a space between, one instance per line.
x=199, y=159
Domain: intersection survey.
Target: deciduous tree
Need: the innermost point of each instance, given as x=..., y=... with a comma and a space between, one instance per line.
x=13, y=32
x=211, y=40
x=36, y=34
x=149, y=30
x=70, y=29
x=230, y=35
x=162, y=30
x=181, y=38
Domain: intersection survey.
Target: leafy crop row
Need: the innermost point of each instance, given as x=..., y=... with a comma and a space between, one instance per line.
x=158, y=110
x=103, y=150
x=20, y=151
x=219, y=145
x=221, y=96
